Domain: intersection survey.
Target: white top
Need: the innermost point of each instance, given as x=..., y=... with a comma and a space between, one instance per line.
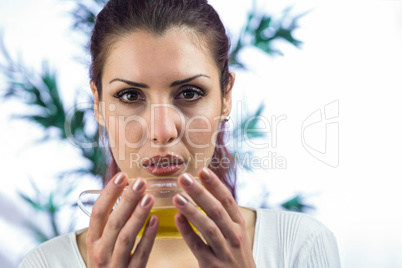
x=281, y=239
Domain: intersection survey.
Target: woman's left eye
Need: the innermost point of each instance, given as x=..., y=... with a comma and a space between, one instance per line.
x=191, y=93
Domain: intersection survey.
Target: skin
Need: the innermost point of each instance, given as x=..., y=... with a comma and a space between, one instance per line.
x=187, y=118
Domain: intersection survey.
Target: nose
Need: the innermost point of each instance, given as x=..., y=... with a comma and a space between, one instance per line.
x=165, y=124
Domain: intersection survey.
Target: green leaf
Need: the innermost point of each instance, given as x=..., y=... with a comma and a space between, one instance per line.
x=296, y=204
x=51, y=207
x=35, y=205
x=262, y=30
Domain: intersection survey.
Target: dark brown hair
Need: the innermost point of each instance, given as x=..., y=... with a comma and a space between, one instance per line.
x=121, y=17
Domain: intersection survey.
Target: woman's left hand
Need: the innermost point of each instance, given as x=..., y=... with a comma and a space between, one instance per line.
x=222, y=226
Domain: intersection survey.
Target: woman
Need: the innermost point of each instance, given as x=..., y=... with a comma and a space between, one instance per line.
x=162, y=90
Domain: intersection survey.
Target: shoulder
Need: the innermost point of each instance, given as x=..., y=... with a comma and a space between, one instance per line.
x=291, y=221
x=302, y=239
x=61, y=251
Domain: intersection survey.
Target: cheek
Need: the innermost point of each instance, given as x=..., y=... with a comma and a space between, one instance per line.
x=135, y=132
x=126, y=131
x=198, y=132
x=112, y=131
x=201, y=131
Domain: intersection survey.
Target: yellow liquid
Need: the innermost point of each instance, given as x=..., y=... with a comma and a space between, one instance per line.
x=167, y=227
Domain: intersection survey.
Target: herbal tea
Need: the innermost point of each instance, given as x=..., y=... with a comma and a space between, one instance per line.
x=167, y=227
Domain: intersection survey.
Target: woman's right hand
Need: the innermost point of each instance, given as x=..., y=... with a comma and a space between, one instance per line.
x=111, y=236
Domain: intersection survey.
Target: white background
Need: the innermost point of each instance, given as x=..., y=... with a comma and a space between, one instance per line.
x=351, y=54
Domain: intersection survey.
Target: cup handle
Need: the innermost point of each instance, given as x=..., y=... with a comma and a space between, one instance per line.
x=81, y=205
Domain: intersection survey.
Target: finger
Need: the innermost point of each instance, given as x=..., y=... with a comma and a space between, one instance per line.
x=104, y=204
x=141, y=253
x=211, y=206
x=202, y=222
x=214, y=185
x=128, y=234
x=131, y=196
x=193, y=241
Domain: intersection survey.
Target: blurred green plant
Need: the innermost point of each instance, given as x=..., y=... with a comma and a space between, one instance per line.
x=49, y=204
x=40, y=92
x=84, y=14
x=262, y=30
x=247, y=129
x=297, y=203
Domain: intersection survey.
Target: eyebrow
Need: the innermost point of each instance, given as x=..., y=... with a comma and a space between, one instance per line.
x=131, y=83
x=173, y=84
x=179, y=82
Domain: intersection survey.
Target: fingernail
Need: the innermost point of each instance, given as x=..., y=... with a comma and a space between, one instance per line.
x=151, y=221
x=138, y=184
x=181, y=200
x=205, y=176
x=119, y=179
x=145, y=200
x=187, y=180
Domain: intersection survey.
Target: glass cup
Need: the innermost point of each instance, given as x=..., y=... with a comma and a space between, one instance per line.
x=163, y=189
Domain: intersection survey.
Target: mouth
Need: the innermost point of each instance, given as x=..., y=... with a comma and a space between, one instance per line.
x=163, y=165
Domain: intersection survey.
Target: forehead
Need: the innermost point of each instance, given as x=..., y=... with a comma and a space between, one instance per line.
x=154, y=57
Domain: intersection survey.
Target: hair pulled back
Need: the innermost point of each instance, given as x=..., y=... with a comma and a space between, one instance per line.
x=122, y=17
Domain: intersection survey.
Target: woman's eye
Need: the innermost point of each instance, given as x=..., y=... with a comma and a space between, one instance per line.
x=191, y=94
x=132, y=96
x=128, y=96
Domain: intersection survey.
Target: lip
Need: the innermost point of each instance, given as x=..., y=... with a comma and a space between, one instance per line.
x=163, y=165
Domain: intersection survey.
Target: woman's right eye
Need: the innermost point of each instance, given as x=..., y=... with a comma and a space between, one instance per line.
x=128, y=96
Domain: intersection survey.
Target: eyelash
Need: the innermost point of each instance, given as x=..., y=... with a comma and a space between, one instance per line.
x=119, y=95
x=201, y=93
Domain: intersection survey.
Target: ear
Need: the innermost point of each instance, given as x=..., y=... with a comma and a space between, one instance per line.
x=227, y=99
x=97, y=107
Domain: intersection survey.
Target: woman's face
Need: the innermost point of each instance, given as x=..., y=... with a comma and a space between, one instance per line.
x=161, y=103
